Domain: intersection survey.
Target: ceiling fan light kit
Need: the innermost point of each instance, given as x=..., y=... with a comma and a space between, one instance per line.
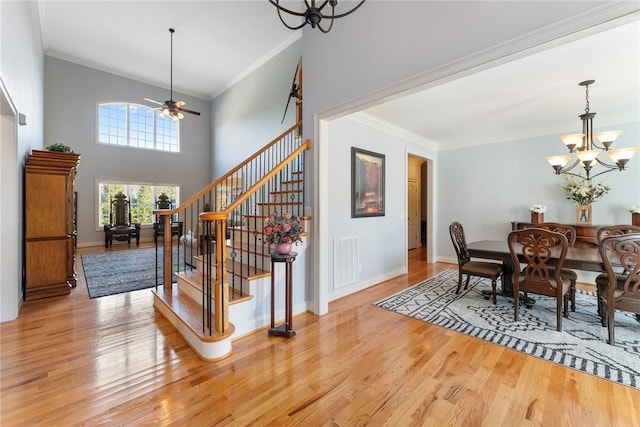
x=314, y=13
x=585, y=149
x=171, y=108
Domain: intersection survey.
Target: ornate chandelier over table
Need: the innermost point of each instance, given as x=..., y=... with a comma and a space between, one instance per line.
x=585, y=152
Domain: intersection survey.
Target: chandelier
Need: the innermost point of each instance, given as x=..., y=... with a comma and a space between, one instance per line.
x=587, y=153
x=313, y=15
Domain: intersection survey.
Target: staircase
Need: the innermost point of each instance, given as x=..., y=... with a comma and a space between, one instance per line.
x=222, y=289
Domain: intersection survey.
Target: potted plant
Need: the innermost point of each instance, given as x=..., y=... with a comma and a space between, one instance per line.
x=537, y=213
x=282, y=230
x=59, y=147
x=635, y=214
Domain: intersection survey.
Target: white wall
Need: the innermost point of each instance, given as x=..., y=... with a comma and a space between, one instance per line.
x=72, y=93
x=21, y=71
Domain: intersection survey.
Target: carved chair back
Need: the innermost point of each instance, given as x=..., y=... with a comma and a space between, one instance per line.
x=120, y=212
x=543, y=252
x=567, y=230
x=459, y=243
x=616, y=230
x=621, y=258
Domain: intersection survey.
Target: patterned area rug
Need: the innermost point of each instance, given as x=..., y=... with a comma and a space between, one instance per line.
x=110, y=273
x=581, y=345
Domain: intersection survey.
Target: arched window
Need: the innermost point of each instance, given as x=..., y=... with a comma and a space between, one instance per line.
x=136, y=126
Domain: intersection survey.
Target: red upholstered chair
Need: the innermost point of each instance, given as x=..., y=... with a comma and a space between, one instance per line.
x=544, y=253
x=490, y=270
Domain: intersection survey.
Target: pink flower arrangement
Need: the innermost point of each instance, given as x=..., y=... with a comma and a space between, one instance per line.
x=282, y=229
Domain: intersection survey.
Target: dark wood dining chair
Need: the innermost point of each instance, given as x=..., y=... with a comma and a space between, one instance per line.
x=570, y=234
x=543, y=253
x=602, y=280
x=489, y=270
x=623, y=288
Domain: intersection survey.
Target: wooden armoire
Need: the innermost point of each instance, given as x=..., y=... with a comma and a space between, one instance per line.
x=49, y=217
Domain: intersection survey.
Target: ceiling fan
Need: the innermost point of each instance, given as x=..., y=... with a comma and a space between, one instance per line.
x=171, y=108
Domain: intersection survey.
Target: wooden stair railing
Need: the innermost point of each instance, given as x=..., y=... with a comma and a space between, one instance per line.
x=230, y=207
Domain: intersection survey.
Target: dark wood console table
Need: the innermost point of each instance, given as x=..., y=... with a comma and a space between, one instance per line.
x=586, y=234
x=285, y=329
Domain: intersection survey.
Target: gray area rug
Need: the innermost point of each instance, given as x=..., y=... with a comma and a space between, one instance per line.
x=110, y=273
x=581, y=345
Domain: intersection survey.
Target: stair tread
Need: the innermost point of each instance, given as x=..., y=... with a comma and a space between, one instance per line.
x=242, y=270
x=299, y=190
x=190, y=313
x=194, y=278
x=278, y=203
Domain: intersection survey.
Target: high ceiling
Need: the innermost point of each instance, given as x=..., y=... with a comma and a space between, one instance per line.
x=216, y=43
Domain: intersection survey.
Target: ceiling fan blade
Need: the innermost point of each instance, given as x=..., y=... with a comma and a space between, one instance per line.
x=155, y=102
x=188, y=111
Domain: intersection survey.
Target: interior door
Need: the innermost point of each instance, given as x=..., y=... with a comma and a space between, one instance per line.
x=413, y=214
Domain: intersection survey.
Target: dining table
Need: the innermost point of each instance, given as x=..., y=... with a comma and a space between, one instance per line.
x=577, y=258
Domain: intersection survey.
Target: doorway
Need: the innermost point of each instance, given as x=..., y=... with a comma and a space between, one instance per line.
x=417, y=202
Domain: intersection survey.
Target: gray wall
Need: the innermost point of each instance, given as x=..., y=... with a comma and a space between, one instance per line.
x=21, y=72
x=247, y=116
x=72, y=93
x=487, y=187
x=382, y=239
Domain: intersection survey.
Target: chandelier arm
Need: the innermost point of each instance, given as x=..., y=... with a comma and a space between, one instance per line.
x=276, y=3
x=604, y=171
x=289, y=26
x=607, y=165
x=342, y=14
x=577, y=175
x=568, y=168
x=330, y=25
x=318, y=7
x=327, y=30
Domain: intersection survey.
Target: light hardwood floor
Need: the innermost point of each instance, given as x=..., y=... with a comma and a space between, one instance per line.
x=115, y=361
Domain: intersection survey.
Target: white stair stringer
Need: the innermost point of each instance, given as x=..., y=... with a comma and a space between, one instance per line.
x=254, y=313
x=175, y=309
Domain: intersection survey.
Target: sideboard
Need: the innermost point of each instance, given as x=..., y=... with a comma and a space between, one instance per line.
x=586, y=234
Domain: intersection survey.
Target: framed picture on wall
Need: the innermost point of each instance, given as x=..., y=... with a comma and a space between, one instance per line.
x=367, y=183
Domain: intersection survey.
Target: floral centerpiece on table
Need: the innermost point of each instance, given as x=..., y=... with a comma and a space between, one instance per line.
x=583, y=191
x=537, y=213
x=538, y=208
x=285, y=228
x=634, y=209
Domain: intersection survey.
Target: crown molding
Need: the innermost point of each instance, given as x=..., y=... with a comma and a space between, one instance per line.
x=397, y=131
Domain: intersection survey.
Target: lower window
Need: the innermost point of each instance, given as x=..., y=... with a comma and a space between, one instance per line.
x=142, y=199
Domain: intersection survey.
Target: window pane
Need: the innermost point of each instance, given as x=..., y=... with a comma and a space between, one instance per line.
x=136, y=126
x=142, y=200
